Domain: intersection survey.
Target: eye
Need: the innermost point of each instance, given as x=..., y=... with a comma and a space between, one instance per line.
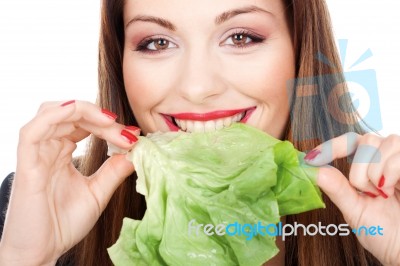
x=239, y=39
x=152, y=45
x=160, y=44
x=243, y=39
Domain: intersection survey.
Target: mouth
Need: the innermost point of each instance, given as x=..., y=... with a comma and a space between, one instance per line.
x=207, y=122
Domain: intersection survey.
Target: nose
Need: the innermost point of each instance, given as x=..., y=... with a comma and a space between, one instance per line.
x=201, y=77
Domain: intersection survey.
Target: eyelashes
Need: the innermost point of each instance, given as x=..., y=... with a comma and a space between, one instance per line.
x=242, y=39
x=154, y=45
x=238, y=39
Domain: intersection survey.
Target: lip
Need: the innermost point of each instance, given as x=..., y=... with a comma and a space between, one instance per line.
x=206, y=116
x=248, y=114
x=170, y=124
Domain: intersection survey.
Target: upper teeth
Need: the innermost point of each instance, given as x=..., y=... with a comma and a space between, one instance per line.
x=210, y=125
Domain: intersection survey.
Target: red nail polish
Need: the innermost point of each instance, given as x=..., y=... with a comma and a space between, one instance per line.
x=109, y=114
x=67, y=103
x=130, y=137
x=311, y=155
x=132, y=128
x=383, y=194
x=381, y=182
x=372, y=195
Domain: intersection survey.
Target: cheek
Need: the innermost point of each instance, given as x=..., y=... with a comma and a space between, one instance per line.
x=266, y=78
x=147, y=84
x=141, y=90
x=142, y=93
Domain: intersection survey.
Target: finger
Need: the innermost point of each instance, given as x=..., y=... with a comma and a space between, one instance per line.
x=50, y=104
x=113, y=149
x=87, y=115
x=70, y=131
x=44, y=124
x=338, y=189
x=54, y=153
x=84, y=109
x=29, y=148
x=133, y=129
x=390, y=179
x=90, y=112
x=107, y=179
x=113, y=134
x=117, y=134
x=330, y=150
x=78, y=135
x=64, y=157
x=367, y=154
x=365, y=149
x=384, y=174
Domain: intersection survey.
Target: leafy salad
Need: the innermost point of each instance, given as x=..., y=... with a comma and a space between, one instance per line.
x=236, y=174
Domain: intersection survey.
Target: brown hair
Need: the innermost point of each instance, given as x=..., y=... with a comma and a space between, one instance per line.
x=316, y=117
x=313, y=120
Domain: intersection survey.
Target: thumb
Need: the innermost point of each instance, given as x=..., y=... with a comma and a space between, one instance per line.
x=108, y=178
x=338, y=189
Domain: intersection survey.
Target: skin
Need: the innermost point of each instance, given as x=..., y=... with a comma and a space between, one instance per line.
x=61, y=205
x=201, y=69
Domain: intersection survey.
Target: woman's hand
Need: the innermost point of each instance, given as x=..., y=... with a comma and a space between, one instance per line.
x=371, y=194
x=52, y=206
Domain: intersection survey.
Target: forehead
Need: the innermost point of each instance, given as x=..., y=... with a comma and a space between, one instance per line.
x=189, y=10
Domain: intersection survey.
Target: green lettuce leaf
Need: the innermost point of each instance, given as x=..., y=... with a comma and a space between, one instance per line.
x=236, y=174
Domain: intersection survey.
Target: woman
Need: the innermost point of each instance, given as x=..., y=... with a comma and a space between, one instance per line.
x=164, y=63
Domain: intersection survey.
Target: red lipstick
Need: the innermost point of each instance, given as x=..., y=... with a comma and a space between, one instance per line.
x=169, y=118
x=247, y=115
x=207, y=116
x=170, y=124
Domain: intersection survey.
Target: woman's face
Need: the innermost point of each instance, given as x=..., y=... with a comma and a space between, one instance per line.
x=203, y=65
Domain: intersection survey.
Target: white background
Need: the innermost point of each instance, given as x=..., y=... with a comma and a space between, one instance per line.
x=48, y=51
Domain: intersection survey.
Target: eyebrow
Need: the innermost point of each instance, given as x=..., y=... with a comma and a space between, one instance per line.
x=231, y=13
x=218, y=20
x=160, y=21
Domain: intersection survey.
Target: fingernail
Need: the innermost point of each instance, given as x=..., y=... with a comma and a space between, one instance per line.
x=372, y=195
x=109, y=114
x=311, y=155
x=132, y=128
x=381, y=182
x=129, y=136
x=67, y=103
x=383, y=194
